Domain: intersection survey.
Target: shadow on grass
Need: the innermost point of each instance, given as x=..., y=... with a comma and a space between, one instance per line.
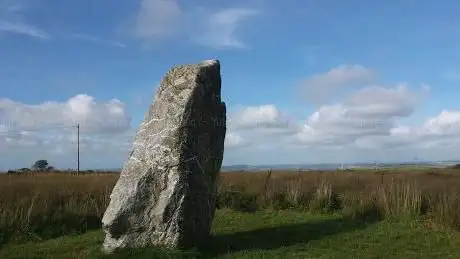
x=259, y=239
x=282, y=236
x=148, y=253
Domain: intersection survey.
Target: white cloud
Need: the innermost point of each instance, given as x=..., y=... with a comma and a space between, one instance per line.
x=435, y=133
x=220, y=28
x=446, y=123
x=377, y=101
x=322, y=87
x=110, y=116
x=234, y=140
x=31, y=132
x=59, y=147
x=371, y=111
x=252, y=127
x=365, y=125
x=267, y=116
x=348, y=132
x=366, y=119
x=159, y=20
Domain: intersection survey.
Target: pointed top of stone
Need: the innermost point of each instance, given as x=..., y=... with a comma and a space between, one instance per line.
x=210, y=62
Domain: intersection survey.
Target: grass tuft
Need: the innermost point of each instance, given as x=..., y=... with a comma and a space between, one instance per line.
x=46, y=205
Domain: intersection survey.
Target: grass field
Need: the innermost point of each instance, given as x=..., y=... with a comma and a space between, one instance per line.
x=275, y=234
x=342, y=214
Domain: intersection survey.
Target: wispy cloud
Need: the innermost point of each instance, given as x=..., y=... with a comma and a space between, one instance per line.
x=160, y=20
x=22, y=28
x=319, y=88
x=16, y=7
x=452, y=75
x=12, y=20
x=157, y=19
x=220, y=28
x=97, y=40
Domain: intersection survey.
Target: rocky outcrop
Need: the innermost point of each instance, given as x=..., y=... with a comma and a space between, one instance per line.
x=166, y=193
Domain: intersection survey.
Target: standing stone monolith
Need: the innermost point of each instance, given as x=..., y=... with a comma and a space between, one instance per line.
x=166, y=193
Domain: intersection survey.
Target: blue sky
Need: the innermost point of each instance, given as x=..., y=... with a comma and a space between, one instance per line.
x=319, y=81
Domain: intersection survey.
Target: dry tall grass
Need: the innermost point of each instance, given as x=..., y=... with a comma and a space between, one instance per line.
x=51, y=204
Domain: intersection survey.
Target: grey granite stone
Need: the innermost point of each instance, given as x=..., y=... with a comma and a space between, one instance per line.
x=166, y=193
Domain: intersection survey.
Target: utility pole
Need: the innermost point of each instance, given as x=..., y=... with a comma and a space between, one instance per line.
x=78, y=148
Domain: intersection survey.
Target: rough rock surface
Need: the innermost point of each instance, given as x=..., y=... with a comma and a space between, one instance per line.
x=166, y=193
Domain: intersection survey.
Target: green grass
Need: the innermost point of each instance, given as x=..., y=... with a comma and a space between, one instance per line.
x=274, y=234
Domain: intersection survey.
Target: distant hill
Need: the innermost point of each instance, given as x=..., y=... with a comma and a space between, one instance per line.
x=333, y=166
x=325, y=166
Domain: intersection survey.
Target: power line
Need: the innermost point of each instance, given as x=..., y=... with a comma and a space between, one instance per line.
x=77, y=126
x=36, y=129
x=78, y=148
